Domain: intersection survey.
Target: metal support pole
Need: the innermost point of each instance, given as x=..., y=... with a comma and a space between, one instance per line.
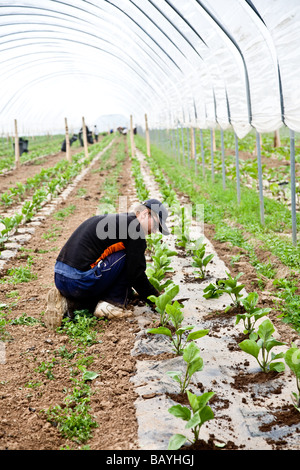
x=212, y=155
x=188, y=144
x=223, y=159
x=202, y=153
x=132, y=137
x=293, y=187
x=260, y=181
x=147, y=136
x=195, y=152
x=238, y=185
x=182, y=141
x=177, y=144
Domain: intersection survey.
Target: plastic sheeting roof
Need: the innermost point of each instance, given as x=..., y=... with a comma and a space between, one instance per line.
x=192, y=62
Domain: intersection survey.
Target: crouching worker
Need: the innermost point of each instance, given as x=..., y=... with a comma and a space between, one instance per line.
x=102, y=261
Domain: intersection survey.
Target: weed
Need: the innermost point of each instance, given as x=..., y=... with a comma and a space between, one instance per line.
x=73, y=419
x=66, y=212
x=20, y=274
x=80, y=329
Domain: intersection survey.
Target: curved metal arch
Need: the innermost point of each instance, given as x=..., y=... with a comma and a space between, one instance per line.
x=84, y=32
x=254, y=10
x=233, y=41
x=189, y=42
x=98, y=48
x=146, y=33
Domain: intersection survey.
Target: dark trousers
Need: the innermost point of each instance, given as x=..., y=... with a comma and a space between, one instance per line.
x=84, y=289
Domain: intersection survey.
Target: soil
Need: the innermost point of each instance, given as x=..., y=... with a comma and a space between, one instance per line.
x=23, y=421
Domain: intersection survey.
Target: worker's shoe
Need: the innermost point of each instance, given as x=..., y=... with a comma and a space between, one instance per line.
x=57, y=308
x=109, y=311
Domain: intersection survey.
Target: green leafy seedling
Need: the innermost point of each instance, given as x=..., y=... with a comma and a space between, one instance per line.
x=229, y=286
x=201, y=261
x=156, y=278
x=199, y=414
x=163, y=300
x=177, y=339
x=261, y=348
x=292, y=360
x=252, y=313
x=194, y=363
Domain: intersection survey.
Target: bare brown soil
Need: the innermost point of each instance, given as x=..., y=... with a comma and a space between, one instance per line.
x=23, y=423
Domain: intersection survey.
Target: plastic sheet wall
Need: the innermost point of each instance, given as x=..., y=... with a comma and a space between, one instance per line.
x=204, y=63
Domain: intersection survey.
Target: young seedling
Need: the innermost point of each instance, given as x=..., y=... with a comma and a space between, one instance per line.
x=161, y=264
x=252, y=313
x=9, y=224
x=292, y=360
x=199, y=414
x=229, y=286
x=261, y=348
x=182, y=231
x=177, y=339
x=201, y=261
x=153, y=241
x=194, y=363
x=156, y=276
x=163, y=300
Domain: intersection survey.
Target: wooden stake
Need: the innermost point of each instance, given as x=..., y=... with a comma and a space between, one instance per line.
x=132, y=138
x=277, y=142
x=214, y=140
x=147, y=136
x=85, y=142
x=17, y=150
x=68, y=147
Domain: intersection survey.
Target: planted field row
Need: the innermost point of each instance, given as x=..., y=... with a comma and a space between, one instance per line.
x=38, y=147
x=60, y=387
x=44, y=186
x=237, y=232
x=215, y=154
x=180, y=337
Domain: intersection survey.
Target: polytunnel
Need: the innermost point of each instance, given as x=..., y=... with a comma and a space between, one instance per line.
x=116, y=334
x=204, y=64
x=201, y=63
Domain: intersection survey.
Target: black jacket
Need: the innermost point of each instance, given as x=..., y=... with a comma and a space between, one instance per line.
x=99, y=233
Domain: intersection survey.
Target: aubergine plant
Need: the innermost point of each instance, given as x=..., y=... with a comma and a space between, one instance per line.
x=252, y=313
x=199, y=414
x=182, y=230
x=194, y=363
x=175, y=317
x=9, y=224
x=261, y=348
x=163, y=300
x=160, y=266
x=292, y=360
x=229, y=286
x=153, y=241
x=201, y=261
